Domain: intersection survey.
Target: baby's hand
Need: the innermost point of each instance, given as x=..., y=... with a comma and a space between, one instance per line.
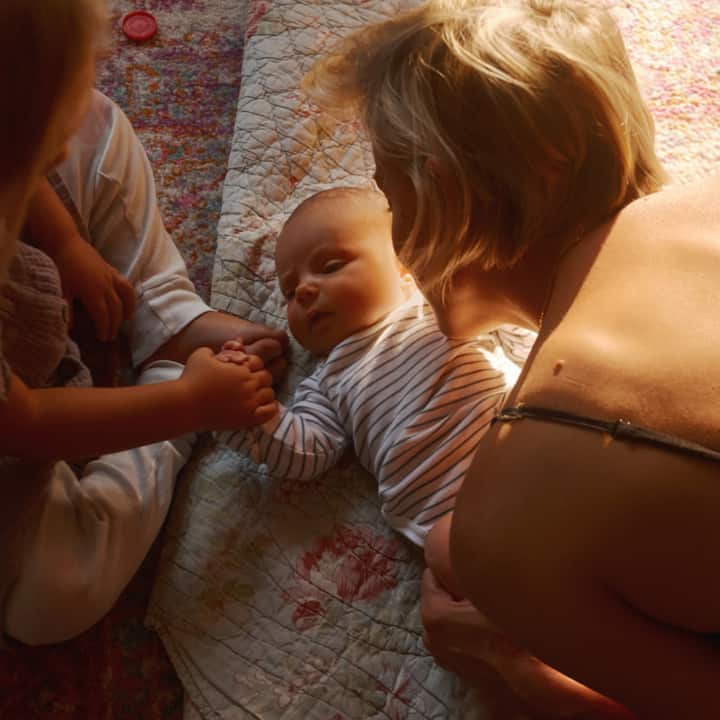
x=230, y=390
x=106, y=294
x=236, y=344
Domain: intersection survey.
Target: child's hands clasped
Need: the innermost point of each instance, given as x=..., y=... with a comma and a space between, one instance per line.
x=107, y=296
x=231, y=390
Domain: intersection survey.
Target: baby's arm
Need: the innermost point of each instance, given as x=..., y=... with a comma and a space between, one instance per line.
x=516, y=342
x=105, y=293
x=73, y=422
x=299, y=443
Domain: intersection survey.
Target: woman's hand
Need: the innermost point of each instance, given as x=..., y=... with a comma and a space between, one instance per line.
x=107, y=296
x=230, y=390
x=462, y=640
x=456, y=633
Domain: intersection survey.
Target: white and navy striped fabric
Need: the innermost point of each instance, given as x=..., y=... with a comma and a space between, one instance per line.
x=412, y=403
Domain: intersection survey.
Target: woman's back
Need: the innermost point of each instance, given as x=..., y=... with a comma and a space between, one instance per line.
x=632, y=331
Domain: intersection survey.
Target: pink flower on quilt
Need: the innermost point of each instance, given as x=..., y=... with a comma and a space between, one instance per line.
x=307, y=612
x=353, y=564
x=358, y=561
x=258, y=10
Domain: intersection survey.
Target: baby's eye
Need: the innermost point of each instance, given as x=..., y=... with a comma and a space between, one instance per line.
x=332, y=266
x=289, y=294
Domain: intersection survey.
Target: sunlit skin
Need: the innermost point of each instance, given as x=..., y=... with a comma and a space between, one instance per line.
x=62, y=422
x=604, y=350
x=338, y=271
x=512, y=297
x=112, y=301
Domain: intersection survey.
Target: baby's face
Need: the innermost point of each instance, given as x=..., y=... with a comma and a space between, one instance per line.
x=337, y=269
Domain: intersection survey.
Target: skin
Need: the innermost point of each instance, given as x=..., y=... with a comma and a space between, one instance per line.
x=627, y=562
x=335, y=256
x=211, y=394
x=107, y=295
x=337, y=269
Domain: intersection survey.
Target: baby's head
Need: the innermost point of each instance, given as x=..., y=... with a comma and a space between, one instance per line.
x=337, y=268
x=495, y=125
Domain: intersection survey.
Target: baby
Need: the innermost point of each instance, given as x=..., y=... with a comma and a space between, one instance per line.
x=412, y=403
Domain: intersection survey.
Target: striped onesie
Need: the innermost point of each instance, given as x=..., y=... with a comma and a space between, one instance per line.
x=413, y=404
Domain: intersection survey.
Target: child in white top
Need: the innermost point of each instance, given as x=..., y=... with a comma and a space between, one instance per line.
x=72, y=540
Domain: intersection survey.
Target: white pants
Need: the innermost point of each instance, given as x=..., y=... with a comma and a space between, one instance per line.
x=94, y=531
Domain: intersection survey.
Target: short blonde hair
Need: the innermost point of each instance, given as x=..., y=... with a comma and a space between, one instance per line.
x=43, y=44
x=521, y=118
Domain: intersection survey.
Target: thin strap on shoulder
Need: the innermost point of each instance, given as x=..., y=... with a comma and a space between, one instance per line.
x=618, y=429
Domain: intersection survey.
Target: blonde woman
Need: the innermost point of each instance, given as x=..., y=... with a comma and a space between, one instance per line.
x=517, y=155
x=72, y=539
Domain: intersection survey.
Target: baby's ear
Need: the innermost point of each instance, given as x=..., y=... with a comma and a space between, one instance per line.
x=407, y=283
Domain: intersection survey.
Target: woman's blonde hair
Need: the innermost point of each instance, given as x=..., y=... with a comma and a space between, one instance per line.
x=514, y=120
x=43, y=45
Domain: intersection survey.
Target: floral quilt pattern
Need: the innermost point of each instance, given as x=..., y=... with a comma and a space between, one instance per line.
x=286, y=600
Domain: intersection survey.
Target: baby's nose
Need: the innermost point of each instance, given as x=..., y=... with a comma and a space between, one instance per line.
x=305, y=293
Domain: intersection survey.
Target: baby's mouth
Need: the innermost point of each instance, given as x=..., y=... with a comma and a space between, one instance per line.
x=316, y=316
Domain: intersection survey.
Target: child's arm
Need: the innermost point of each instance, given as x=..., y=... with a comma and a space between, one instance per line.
x=300, y=443
x=105, y=293
x=72, y=423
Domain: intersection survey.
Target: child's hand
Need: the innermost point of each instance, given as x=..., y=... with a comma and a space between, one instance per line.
x=231, y=390
x=106, y=294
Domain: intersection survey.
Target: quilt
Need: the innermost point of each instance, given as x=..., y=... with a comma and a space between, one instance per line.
x=285, y=600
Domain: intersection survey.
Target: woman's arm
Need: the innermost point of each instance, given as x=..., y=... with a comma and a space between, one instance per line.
x=80, y=422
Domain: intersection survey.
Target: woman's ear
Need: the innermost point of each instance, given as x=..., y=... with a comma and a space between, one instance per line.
x=432, y=165
x=434, y=168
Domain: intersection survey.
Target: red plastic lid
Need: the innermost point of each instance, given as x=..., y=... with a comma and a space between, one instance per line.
x=139, y=25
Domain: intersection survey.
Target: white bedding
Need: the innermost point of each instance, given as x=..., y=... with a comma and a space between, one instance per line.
x=281, y=600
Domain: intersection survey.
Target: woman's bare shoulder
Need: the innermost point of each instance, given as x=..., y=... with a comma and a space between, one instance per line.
x=638, y=338
x=692, y=202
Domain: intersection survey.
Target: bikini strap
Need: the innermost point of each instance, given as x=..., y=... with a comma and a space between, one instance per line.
x=619, y=429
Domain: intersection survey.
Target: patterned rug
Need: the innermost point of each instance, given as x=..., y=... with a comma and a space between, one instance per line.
x=180, y=92
x=674, y=46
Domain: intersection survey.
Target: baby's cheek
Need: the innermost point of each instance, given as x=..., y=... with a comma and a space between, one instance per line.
x=294, y=324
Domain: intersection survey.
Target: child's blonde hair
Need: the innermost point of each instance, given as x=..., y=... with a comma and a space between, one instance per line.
x=43, y=44
x=514, y=120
